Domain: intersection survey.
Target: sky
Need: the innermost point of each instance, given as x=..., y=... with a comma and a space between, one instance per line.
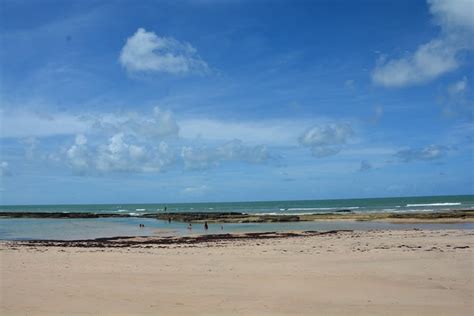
x=205, y=100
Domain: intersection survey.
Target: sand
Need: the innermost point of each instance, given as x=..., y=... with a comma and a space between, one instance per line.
x=350, y=273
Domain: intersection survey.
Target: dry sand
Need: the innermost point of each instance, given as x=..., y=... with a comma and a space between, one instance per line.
x=349, y=273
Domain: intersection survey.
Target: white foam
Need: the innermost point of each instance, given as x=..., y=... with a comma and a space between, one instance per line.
x=140, y=209
x=434, y=204
x=322, y=208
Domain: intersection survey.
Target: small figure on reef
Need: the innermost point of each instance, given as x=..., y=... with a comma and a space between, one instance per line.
x=169, y=220
x=164, y=209
x=206, y=227
x=190, y=226
x=222, y=227
x=141, y=225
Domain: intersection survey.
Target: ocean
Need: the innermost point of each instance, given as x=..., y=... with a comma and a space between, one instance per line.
x=394, y=205
x=14, y=229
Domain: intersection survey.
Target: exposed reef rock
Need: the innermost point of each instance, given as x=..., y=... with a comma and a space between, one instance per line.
x=231, y=217
x=236, y=217
x=147, y=242
x=59, y=215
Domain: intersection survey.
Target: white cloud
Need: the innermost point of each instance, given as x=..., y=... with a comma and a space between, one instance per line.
x=146, y=52
x=78, y=154
x=453, y=14
x=439, y=55
x=327, y=134
x=326, y=139
x=29, y=124
x=430, y=152
x=4, y=169
x=158, y=125
x=204, y=158
x=429, y=62
x=118, y=155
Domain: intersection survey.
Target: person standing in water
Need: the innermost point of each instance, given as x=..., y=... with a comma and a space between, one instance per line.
x=206, y=227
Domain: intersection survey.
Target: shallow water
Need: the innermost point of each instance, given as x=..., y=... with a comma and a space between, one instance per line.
x=71, y=229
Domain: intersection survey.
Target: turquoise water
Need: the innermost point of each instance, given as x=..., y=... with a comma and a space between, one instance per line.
x=73, y=229
x=13, y=229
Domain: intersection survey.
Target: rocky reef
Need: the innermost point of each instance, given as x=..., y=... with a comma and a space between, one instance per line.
x=237, y=217
x=223, y=217
x=149, y=242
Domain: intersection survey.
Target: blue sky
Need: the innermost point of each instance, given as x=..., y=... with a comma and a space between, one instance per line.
x=182, y=101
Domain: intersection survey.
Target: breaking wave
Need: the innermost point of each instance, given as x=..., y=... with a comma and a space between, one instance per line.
x=434, y=204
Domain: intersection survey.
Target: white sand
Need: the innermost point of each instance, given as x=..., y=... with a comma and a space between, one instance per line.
x=362, y=273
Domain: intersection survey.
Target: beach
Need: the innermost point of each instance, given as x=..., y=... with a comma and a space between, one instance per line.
x=389, y=272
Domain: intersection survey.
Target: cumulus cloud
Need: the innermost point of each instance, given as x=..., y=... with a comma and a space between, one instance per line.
x=4, y=169
x=146, y=52
x=429, y=62
x=158, y=125
x=326, y=139
x=430, y=152
x=118, y=155
x=436, y=57
x=453, y=14
x=78, y=154
x=133, y=142
x=127, y=142
x=204, y=158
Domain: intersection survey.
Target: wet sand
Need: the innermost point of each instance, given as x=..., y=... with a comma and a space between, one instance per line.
x=413, y=272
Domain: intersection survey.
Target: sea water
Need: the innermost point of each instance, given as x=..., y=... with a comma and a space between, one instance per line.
x=26, y=228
